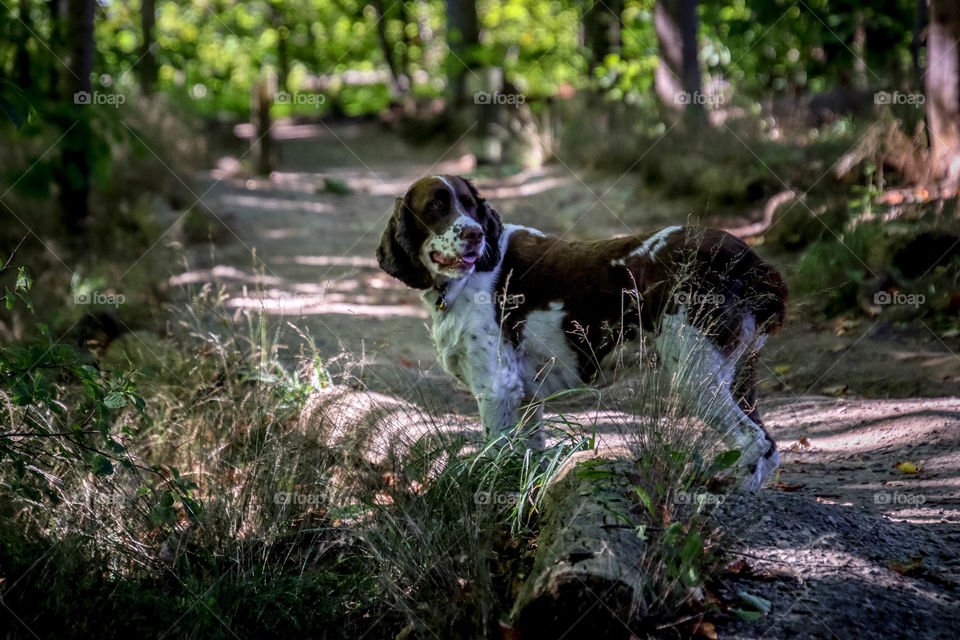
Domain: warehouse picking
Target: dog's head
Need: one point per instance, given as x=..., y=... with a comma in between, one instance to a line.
x=440, y=230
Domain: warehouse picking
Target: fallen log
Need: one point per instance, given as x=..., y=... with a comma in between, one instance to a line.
x=587, y=579
x=380, y=432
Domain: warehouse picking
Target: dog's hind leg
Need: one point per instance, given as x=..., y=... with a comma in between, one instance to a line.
x=703, y=377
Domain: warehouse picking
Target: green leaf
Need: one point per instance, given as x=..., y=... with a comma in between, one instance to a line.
x=115, y=400
x=749, y=615
x=645, y=499
x=756, y=602
x=725, y=460
x=102, y=466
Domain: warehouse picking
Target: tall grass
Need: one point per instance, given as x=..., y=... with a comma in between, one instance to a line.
x=251, y=507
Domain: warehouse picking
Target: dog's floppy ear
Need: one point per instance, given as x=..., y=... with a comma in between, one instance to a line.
x=492, y=230
x=398, y=255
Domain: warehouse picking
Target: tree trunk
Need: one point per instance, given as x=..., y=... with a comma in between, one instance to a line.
x=918, y=41
x=677, y=78
x=396, y=83
x=602, y=29
x=74, y=178
x=283, y=51
x=55, y=37
x=463, y=36
x=148, y=63
x=22, y=57
x=261, y=97
x=587, y=578
x=859, y=47
x=943, y=90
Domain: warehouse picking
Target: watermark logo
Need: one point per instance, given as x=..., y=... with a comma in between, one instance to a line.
x=707, y=99
x=314, y=100
x=896, y=97
x=897, y=498
x=503, y=299
x=500, y=499
x=694, y=298
x=884, y=298
x=99, y=98
x=496, y=97
x=292, y=497
x=99, y=297
x=700, y=497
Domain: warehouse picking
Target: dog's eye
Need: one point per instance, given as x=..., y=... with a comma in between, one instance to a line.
x=435, y=205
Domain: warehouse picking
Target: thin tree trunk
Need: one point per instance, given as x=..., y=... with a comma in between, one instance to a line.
x=859, y=50
x=387, y=50
x=261, y=97
x=943, y=90
x=22, y=56
x=677, y=78
x=283, y=51
x=55, y=37
x=148, y=63
x=463, y=35
x=74, y=180
x=918, y=42
x=602, y=29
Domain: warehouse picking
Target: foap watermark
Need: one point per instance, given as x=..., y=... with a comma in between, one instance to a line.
x=293, y=497
x=99, y=98
x=697, y=97
x=695, y=298
x=496, y=97
x=502, y=299
x=699, y=497
x=884, y=298
x=899, y=499
x=896, y=97
x=314, y=100
x=99, y=297
x=500, y=499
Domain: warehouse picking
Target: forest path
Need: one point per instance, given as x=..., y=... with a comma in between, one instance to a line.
x=827, y=389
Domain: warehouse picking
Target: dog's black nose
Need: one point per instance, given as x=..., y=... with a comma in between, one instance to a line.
x=472, y=234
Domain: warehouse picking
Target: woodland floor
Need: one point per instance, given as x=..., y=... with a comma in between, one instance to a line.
x=842, y=548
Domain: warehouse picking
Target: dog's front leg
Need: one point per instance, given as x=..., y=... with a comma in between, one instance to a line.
x=494, y=379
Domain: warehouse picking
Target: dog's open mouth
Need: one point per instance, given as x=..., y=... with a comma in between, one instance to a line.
x=463, y=261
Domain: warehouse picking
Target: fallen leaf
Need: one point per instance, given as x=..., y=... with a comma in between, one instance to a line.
x=802, y=444
x=704, y=629
x=737, y=566
x=836, y=390
x=508, y=633
x=781, y=369
x=783, y=486
x=405, y=363
x=907, y=467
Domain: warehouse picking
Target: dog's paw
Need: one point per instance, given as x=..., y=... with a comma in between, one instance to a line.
x=763, y=470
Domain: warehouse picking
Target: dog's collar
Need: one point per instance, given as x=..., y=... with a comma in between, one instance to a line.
x=447, y=292
x=442, y=297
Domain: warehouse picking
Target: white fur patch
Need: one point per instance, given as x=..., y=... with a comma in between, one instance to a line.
x=703, y=377
x=654, y=243
x=548, y=364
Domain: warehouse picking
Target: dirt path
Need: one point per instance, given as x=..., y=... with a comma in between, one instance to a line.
x=822, y=548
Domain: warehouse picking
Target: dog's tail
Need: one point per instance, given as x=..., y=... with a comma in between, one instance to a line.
x=732, y=268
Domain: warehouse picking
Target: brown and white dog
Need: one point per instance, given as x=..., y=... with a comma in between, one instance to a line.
x=519, y=315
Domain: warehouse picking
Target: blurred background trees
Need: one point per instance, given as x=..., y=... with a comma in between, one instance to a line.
x=489, y=70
